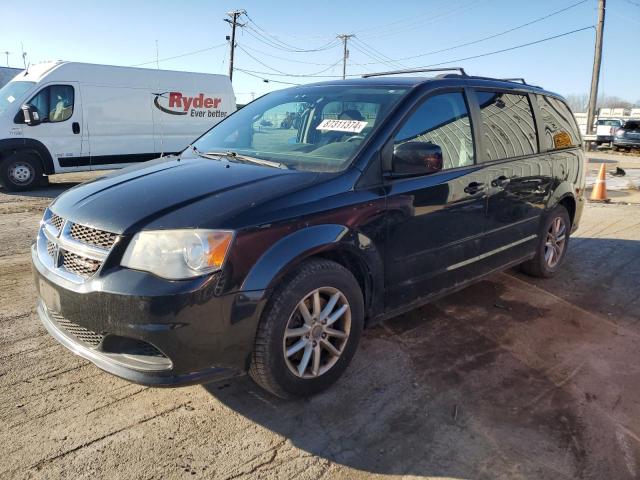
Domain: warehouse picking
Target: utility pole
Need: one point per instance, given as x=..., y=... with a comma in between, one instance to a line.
x=6, y=52
x=595, y=75
x=234, y=14
x=345, y=52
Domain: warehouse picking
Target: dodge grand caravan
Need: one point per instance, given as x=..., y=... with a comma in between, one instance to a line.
x=275, y=238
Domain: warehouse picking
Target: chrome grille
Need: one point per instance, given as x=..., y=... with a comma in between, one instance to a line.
x=93, y=236
x=56, y=221
x=84, y=335
x=81, y=266
x=75, y=252
x=51, y=249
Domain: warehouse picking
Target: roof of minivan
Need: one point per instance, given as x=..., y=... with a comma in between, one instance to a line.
x=440, y=81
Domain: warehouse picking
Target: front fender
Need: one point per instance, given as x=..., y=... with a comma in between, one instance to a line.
x=328, y=238
x=563, y=190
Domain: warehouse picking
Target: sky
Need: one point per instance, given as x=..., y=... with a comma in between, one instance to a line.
x=284, y=40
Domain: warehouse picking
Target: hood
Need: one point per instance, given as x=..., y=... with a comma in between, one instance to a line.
x=176, y=193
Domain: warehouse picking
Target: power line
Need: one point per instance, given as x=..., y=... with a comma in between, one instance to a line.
x=255, y=50
x=546, y=39
x=266, y=80
x=483, y=39
x=371, y=52
x=277, y=43
x=194, y=52
x=457, y=60
x=421, y=23
x=412, y=19
x=288, y=74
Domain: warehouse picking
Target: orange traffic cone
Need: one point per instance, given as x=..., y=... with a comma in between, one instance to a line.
x=599, y=192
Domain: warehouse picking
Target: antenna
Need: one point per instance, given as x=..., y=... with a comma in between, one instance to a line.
x=24, y=56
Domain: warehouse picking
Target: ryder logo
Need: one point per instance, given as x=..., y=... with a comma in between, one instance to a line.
x=175, y=103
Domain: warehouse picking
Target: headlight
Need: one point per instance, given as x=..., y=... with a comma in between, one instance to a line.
x=178, y=254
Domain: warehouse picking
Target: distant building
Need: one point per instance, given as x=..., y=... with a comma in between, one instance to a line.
x=7, y=74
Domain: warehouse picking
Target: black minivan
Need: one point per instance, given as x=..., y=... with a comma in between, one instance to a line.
x=271, y=242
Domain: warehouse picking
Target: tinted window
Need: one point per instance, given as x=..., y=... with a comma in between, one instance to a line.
x=444, y=121
x=508, y=128
x=560, y=128
x=632, y=125
x=54, y=103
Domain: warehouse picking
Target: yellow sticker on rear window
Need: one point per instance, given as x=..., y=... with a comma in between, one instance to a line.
x=561, y=140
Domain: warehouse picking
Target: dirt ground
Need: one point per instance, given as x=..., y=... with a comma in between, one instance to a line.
x=511, y=378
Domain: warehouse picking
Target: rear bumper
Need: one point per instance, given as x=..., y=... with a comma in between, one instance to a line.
x=627, y=142
x=195, y=335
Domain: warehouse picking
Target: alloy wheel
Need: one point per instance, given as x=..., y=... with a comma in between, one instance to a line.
x=556, y=240
x=317, y=332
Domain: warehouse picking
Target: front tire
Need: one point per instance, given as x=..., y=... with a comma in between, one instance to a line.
x=553, y=242
x=309, y=331
x=21, y=171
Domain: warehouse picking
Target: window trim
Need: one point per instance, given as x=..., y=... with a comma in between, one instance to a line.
x=482, y=158
x=387, y=149
x=48, y=88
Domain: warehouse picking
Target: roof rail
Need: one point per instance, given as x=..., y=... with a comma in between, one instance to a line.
x=521, y=80
x=415, y=70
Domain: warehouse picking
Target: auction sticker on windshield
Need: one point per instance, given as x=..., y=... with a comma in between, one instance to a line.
x=353, y=126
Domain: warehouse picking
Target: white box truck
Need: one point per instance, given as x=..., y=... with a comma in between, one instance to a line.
x=69, y=117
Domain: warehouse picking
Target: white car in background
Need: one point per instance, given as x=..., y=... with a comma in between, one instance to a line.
x=69, y=117
x=606, y=129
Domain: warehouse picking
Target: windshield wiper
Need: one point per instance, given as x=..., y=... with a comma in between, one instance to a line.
x=234, y=156
x=205, y=155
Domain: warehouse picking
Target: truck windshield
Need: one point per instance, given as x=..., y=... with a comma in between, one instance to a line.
x=317, y=128
x=11, y=93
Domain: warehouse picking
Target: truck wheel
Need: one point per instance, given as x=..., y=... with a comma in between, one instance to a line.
x=553, y=242
x=20, y=171
x=309, y=331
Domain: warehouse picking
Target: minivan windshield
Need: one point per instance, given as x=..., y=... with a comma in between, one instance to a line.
x=11, y=93
x=317, y=128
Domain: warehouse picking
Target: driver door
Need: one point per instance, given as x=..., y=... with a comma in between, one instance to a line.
x=435, y=222
x=60, y=130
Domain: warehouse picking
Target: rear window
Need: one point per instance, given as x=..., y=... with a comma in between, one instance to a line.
x=508, y=128
x=560, y=128
x=632, y=125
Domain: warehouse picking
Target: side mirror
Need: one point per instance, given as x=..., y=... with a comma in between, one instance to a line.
x=417, y=158
x=31, y=115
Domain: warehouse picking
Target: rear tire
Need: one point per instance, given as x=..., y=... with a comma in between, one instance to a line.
x=300, y=348
x=553, y=242
x=21, y=171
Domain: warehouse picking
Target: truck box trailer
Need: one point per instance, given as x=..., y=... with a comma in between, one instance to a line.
x=68, y=117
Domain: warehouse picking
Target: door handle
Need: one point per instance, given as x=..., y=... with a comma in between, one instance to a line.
x=75, y=126
x=501, y=181
x=474, y=187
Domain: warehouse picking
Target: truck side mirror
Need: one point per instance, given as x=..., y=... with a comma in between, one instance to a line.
x=31, y=115
x=417, y=158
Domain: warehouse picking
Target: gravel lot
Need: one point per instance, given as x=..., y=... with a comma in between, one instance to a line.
x=511, y=378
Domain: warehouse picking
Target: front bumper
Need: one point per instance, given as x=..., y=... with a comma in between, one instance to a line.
x=195, y=336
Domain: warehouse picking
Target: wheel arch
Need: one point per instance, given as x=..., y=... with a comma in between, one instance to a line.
x=351, y=249
x=10, y=146
x=564, y=195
